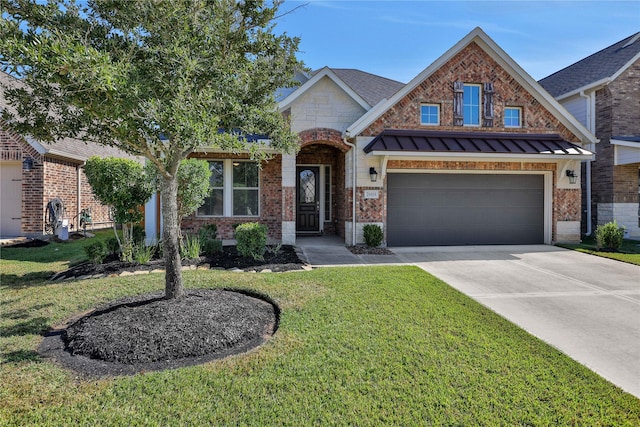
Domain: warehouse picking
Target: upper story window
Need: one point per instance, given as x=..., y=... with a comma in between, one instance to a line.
x=512, y=117
x=471, y=105
x=430, y=114
x=234, y=189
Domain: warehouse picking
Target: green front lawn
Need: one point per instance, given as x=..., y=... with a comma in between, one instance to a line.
x=629, y=252
x=356, y=346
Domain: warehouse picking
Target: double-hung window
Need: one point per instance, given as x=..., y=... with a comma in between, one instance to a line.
x=471, y=105
x=234, y=189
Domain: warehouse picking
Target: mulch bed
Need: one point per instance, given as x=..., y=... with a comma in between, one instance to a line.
x=149, y=333
x=367, y=250
x=284, y=259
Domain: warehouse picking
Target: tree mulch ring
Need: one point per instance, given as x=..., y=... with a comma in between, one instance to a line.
x=149, y=333
x=31, y=243
x=276, y=259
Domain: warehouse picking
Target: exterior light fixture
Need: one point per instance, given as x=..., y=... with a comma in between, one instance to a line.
x=27, y=164
x=573, y=178
x=373, y=174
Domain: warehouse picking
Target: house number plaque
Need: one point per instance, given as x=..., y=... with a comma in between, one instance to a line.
x=371, y=194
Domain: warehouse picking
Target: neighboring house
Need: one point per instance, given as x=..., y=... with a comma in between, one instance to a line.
x=603, y=92
x=55, y=173
x=471, y=151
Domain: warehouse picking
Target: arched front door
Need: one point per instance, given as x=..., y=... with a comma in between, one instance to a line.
x=308, y=199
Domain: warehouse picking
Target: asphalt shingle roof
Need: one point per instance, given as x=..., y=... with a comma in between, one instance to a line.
x=370, y=87
x=593, y=68
x=67, y=147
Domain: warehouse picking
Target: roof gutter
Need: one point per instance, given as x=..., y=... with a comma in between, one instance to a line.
x=353, y=188
x=590, y=87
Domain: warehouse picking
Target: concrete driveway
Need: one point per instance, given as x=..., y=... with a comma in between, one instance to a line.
x=586, y=306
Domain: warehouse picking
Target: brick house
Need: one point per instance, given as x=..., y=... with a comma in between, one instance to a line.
x=55, y=172
x=603, y=92
x=471, y=151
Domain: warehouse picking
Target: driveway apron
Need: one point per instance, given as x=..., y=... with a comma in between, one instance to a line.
x=586, y=306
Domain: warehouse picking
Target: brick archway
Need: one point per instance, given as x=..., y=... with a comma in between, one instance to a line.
x=323, y=136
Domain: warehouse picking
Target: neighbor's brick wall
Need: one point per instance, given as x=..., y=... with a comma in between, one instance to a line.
x=271, y=193
x=61, y=181
x=617, y=114
x=471, y=65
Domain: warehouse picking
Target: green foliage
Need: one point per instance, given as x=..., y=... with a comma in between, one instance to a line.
x=252, y=239
x=208, y=239
x=137, y=233
x=208, y=231
x=142, y=253
x=193, y=184
x=120, y=184
x=190, y=248
x=155, y=79
x=96, y=252
x=609, y=236
x=113, y=247
x=373, y=235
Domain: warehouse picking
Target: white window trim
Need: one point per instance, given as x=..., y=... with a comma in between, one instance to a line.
x=504, y=118
x=227, y=190
x=479, y=86
x=429, y=104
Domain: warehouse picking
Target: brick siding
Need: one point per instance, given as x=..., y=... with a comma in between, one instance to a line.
x=471, y=65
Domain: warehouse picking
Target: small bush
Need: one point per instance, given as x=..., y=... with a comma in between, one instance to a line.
x=252, y=240
x=211, y=247
x=112, y=246
x=137, y=233
x=96, y=252
x=609, y=236
x=142, y=253
x=190, y=247
x=208, y=231
x=373, y=235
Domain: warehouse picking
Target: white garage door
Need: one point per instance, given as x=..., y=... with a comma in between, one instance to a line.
x=464, y=209
x=11, y=199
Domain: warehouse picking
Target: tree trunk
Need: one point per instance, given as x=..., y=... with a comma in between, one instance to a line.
x=174, y=287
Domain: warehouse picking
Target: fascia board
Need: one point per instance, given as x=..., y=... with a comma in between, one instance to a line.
x=629, y=144
x=401, y=155
x=587, y=88
x=36, y=145
x=325, y=72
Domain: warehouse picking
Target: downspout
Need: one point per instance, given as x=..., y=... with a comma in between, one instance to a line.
x=353, y=189
x=591, y=127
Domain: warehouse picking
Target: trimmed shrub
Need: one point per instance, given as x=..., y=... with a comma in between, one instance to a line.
x=96, y=252
x=609, y=236
x=252, y=240
x=373, y=235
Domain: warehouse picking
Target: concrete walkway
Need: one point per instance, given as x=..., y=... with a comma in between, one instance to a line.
x=586, y=306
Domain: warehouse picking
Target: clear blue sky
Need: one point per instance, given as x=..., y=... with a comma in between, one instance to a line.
x=398, y=39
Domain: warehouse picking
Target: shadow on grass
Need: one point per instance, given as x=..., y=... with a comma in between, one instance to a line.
x=33, y=326
x=14, y=281
x=20, y=356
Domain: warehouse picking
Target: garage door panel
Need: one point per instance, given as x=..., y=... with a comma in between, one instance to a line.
x=459, y=209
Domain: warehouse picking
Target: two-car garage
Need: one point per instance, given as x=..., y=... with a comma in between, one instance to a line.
x=465, y=209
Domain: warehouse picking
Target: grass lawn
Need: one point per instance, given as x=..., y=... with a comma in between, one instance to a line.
x=356, y=346
x=629, y=252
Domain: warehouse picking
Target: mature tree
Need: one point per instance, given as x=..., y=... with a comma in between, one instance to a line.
x=154, y=78
x=122, y=185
